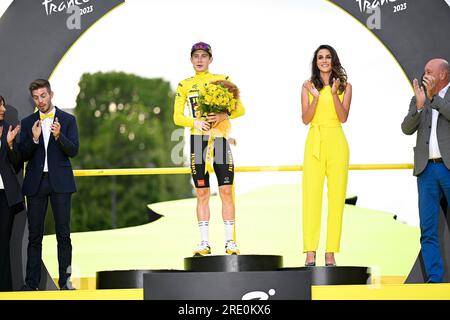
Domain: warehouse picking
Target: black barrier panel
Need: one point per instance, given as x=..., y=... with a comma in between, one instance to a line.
x=233, y=263
x=260, y=285
x=34, y=36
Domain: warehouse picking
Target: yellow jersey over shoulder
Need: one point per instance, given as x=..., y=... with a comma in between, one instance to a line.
x=187, y=94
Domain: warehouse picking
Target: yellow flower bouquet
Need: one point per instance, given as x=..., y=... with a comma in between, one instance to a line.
x=218, y=97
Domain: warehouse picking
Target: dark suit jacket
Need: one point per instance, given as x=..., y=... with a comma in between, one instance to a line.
x=10, y=165
x=58, y=154
x=421, y=122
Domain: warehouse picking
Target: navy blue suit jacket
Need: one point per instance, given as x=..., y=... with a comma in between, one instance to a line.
x=58, y=154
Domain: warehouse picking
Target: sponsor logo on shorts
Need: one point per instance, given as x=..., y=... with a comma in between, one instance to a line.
x=201, y=183
x=230, y=161
x=193, y=164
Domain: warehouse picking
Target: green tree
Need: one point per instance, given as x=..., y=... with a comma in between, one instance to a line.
x=124, y=121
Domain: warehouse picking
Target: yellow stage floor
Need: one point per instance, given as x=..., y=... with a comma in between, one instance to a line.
x=347, y=292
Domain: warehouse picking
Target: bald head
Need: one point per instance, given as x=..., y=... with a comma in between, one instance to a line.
x=445, y=66
x=438, y=68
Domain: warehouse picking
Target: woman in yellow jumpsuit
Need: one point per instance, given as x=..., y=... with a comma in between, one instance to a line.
x=326, y=99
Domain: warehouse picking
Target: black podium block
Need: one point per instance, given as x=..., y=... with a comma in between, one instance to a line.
x=345, y=275
x=124, y=279
x=233, y=263
x=245, y=285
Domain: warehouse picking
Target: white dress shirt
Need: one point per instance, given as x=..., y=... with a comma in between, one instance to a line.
x=434, y=146
x=46, y=131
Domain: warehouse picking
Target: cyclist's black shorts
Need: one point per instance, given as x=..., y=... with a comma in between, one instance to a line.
x=223, y=161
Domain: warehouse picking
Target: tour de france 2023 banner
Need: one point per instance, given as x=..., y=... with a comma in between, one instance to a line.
x=414, y=31
x=35, y=35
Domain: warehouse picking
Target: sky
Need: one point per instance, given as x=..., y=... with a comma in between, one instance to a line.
x=266, y=48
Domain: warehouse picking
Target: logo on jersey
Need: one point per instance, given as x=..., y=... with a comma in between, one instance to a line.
x=193, y=102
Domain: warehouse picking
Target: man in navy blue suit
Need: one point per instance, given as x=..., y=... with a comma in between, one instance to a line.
x=49, y=137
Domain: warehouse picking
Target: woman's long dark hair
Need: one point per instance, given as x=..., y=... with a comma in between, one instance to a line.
x=2, y=101
x=337, y=71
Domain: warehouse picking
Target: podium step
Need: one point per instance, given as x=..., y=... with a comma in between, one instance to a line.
x=243, y=285
x=238, y=271
x=233, y=263
x=345, y=275
x=124, y=279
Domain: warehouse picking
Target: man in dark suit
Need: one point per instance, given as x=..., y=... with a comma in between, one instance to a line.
x=429, y=115
x=48, y=139
x=11, y=199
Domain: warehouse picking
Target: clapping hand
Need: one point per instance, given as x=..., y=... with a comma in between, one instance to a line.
x=311, y=88
x=12, y=133
x=429, y=82
x=335, y=86
x=56, y=128
x=419, y=92
x=36, y=130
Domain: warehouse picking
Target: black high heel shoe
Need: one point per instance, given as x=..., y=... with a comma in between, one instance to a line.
x=311, y=264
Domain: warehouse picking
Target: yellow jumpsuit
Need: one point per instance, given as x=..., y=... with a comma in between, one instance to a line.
x=326, y=154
